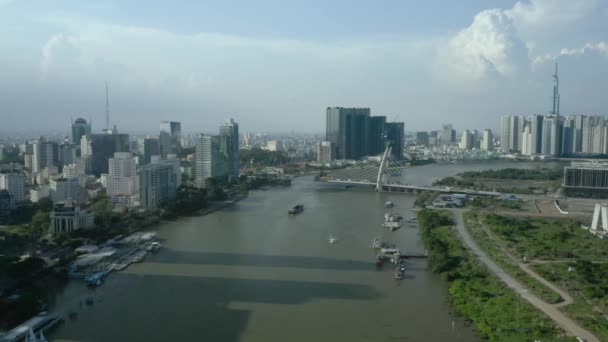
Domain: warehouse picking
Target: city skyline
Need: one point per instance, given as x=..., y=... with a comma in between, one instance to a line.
x=410, y=63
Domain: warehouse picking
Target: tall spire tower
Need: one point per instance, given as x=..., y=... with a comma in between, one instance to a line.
x=555, y=92
x=107, y=108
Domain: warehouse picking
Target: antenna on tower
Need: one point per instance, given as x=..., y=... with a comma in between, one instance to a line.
x=107, y=108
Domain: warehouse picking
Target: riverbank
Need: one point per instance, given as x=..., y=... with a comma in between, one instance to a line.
x=497, y=313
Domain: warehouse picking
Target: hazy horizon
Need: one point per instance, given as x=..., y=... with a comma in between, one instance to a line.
x=275, y=66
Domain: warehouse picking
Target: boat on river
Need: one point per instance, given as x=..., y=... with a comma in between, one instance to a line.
x=298, y=208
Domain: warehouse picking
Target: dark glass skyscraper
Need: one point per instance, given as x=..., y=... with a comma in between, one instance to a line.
x=80, y=127
x=151, y=148
x=170, y=137
x=347, y=129
x=395, y=136
x=230, y=148
x=103, y=147
x=376, y=139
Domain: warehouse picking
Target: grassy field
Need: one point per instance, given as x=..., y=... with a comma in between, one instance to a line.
x=588, y=284
x=494, y=251
x=496, y=311
x=546, y=239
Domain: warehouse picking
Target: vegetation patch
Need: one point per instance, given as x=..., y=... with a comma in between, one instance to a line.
x=497, y=312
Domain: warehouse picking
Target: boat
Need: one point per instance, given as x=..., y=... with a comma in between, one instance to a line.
x=388, y=204
x=392, y=225
x=298, y=208
x=140, y=256
x=153, y=246
x=95, y=279
x=388, y=217
x=332, y=239
x=402, y=267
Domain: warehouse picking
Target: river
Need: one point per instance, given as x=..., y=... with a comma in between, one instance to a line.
x=251, y=273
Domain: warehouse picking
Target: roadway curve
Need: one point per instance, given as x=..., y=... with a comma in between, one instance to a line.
x=571, y=327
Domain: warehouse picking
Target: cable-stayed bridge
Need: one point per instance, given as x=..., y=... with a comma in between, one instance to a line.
x=387, y=175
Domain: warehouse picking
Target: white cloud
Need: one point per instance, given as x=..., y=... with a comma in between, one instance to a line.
x=490, y=45
x=550, y=14
x=47, y=50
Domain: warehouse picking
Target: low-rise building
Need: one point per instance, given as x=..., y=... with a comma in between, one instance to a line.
x=586, y=179
x=66, y=218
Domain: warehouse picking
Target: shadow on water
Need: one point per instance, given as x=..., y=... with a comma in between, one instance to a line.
x=235, y=259
x=172, y=308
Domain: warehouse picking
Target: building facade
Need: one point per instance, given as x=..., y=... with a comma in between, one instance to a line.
x=586, y=179
x=14, y=183
x=395, y=136
x=487, y=141
x=46, y=153
x=170, y=137
x=210, y=160
x=122, y=184
x=157, y=185
x=347, y=130
x=101, y=147
x=230, y=147
x=324, y=152
x=422, y=138
x=80, y=128
x=67, y=218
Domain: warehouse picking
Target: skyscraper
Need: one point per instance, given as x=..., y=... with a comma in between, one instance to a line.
x=448, y=135
x=347, y=130
x=324, y=152
x=80, y=127
x=46, y=153
x=102, y=148
x=122, y=181
x=466, y=140
x=151, y=147
x=527, y=145
x=487, y=142
x=511, y=129
x=67, y=153
x=550, y=138
x=567, y=136
x=577, y=134
x=14, y=183
x=230, y=148
x=422, y=138
x=209, y=159
x=170, y=137
x=157, y=185
x=536, y=130
x=395, y=137
x=376, y=135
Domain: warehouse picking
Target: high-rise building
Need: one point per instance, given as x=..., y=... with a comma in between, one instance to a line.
x=347, y=130
x=67, y=189
x=377, y=135
x=487, y=142
x=395, y=136
x=151, y=147
x=102, y=148
x=170, y=137
x=527, y=145
x=324, y=152
x=230, y=148
x=14, y=183
x=567, y=136
x=122, y=182
x=536, y=130
x=587, y=134
x=448, y=135
x=209, y=159
x=433, y=138
x=46, y=153
x=577, y=134
x=466, y=140
x=598, y=139
x=157, y=185
x=550, y=138
x=511, y=129
x=80, y=128
x=67, y=153
x=422, y=138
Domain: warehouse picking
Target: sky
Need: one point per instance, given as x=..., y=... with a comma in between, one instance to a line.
x=276, y=65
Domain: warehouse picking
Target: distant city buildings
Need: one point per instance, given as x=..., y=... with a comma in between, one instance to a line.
x=355, y=134
x=230, y=147
x=422, y=138
x=151, y=147
x=274, y=145
x=448, y=135
x=101, y=147
x=466, y=141
x=170, y=137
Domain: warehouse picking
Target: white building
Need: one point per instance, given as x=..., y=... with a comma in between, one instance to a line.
x=122, y=183
x=487, y=141
x=75, y=171
x=527, y=144
x=66, y=189
x=210, y=162
x=39, y=193
x=324, y=152
x=67, y=218
x=14, y=183
x=274, y=145
x=466, y=141
x=157, y=185
x=46, y=153
x=550, y=138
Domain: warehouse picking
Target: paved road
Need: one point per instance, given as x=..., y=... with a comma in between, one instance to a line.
x=571, y=327
x=567, y=299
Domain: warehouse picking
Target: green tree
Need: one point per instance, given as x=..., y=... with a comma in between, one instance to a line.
x=103, y=213
x=40, y=222
x=45, y=204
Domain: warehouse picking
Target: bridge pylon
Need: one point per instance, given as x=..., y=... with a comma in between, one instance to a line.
x=382, y=170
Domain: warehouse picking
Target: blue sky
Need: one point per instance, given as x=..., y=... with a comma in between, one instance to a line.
x=275, y=65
